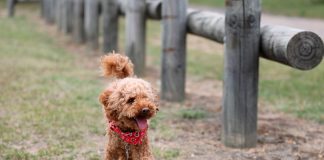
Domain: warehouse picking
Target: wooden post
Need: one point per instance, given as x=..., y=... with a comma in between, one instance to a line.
x=297, y=48
x=174, y=49
x=135, y=34
x=110, y=25
x=59, y=14
x=42, y=8
x=11, y=7
x=92, y=23
x=64, y=12
x=45, y=2
x=294, y=47
x=78, y=22
x=69, y=16
x=66, y=16
x=153, y=8
x=240, y=93
x=48, y=9
x=52, y=11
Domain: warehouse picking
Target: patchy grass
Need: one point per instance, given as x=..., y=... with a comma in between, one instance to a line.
x=293, y=91
x=192, y=114
x=303, y=8
x=48, y=101
x=159, y=126
x=166, y=154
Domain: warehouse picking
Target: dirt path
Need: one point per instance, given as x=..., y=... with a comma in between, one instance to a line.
x=280, y=136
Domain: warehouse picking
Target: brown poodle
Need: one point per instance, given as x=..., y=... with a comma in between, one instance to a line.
x=128, y=104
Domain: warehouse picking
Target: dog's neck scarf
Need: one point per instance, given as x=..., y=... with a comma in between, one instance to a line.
x=134, y=138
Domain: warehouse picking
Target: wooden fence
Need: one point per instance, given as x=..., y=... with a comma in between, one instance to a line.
x=240, y=30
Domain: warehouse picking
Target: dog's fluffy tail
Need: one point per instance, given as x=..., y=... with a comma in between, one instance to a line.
x=116, y=65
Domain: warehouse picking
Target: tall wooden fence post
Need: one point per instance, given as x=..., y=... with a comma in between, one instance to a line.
x=42, y=8
x=64, y=18
x=92, y=23
x=69, y=15
x=67, y=18
x=52, y=18
x=110, y=25
x=174, y=49
x=11, y=7
x=78, y=21
x=48, y=11
x=135, y=34
x=242, y=30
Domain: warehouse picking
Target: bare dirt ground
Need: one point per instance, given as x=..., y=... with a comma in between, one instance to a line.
x=280, y=136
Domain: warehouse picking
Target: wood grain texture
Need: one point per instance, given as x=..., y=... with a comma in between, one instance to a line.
x=293, y=47
x=78, y=21
x=297, y=48
x=135, y=34
x=173, y=50
x=110, y=25
x=206, y=24
x=241, y=65
x=290, y=46
x=92, y=23
x=153, y=8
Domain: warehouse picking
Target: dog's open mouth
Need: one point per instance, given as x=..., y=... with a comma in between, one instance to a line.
x=141, y=122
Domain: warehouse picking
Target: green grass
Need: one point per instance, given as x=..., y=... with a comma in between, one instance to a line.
x=48, y=101
x=210, y=3
x=294, y=91
x=192, y=114
x=304, y=8
x=166, y=154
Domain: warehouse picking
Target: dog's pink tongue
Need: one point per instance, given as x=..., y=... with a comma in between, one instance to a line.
x=141, y=123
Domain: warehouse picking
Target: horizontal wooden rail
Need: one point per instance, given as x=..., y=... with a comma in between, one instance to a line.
x=297, y=48
x=290, y=46
x=153, y=9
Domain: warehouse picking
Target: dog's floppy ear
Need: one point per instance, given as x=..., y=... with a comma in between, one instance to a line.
x=103, y=98
x=110, y=112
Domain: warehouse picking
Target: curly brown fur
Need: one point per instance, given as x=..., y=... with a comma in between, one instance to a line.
x=116, y=65
x=123, y=101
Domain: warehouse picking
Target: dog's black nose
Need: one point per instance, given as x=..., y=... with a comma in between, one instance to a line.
x=145, y=111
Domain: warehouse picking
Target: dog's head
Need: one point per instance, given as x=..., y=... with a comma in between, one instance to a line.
x=129, y=101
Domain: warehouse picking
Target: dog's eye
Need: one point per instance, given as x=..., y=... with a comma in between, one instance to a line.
x=131, y=100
